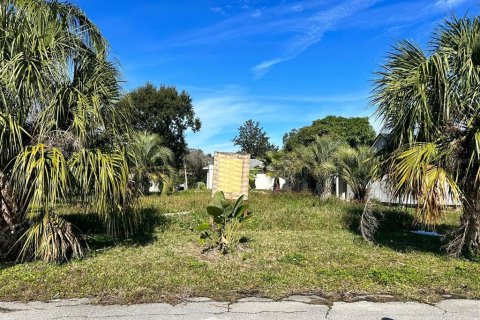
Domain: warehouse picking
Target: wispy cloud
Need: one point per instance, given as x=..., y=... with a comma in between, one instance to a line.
x=288, y=29
x=295, y=27
x=448, y=4
x=222, y=111
x=218, y=10
x=318, y=23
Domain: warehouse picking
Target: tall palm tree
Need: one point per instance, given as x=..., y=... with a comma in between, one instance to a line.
x=357, y=166
x=61, y=133
x=152, y=161
x=429, y=102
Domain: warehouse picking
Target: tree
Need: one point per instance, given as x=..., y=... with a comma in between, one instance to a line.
x=430, y=106
x=166, y=112
x=253, y=140
x=354, y=131
x=152, y=161
x=58, y=98
x=286, y=165
x=357, y=166
x=195, y=161
x=318, y=160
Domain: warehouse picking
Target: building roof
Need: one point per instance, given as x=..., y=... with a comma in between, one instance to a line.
x=255, y=163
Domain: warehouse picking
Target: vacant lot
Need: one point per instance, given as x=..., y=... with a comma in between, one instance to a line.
x=298, y=244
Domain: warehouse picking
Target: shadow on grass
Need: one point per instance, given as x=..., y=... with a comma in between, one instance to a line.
x=98, y=238
x=394, y=231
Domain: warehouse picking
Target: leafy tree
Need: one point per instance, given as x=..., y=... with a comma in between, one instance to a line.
x=152, y=161
x=357, y=166
x=429, y=103
x=58, y=99
x=253, y=140
x=166, y=112
x=355, y=131
x=195, y=161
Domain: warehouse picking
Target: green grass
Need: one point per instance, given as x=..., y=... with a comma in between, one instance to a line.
x=298, y=244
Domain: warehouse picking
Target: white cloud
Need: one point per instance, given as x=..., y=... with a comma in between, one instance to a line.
x=447, y=4
x=218, y=10
x=262, y=68
x=256, y=14
x=316, y=25
x=222, y=111
x=221, y=115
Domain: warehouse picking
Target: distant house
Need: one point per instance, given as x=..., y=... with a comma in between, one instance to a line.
x=380, y=141
x=154, y=187
x=264, y=181
x=209, y=181
x=379, y=189
x=341, y=189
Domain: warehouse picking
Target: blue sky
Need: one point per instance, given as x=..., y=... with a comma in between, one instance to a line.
x=283, y=63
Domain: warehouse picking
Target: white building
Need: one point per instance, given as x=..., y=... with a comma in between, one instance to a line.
x=379, y=189
x=266, y=182
x=209, y=176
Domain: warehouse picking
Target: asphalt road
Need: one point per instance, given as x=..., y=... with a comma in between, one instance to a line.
x=293, y=308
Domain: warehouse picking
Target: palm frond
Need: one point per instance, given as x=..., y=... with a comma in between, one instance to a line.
x=104, y=187
x=11, y=140
x=417, y=172
x=52, y=239
x=357, y=166
x=40, y=178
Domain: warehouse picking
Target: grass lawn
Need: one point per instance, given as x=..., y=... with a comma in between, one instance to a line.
x=299, y=244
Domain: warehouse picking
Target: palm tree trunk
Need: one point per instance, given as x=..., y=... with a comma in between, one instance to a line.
x=471, y=222
x=276, y=184
x=326, y=187
x=12, y=222
x=467, y=237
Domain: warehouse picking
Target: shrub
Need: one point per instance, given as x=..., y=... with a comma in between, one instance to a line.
x=225, y=219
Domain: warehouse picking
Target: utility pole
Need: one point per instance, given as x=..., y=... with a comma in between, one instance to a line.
x=185, y=186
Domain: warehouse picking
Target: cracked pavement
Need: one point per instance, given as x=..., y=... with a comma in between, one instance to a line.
x=295, y=307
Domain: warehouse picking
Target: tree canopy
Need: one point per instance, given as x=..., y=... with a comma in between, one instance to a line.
x=58, y=103
x=152, y=161
x=354, y=131
x=195, y=161
x=430, y=106
x=166, y=112
x=253, y=139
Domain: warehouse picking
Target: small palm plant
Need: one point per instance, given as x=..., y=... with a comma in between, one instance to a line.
x=151, y=161
x=357, y=166
x=283, y=164
x=318, y=161
x=225, y=220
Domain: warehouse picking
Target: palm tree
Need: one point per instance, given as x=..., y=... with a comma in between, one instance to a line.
x=283, y=164
x=429, y=102
x=61, y=133
x=357, y=166
x=152, y=161
x=318, y=160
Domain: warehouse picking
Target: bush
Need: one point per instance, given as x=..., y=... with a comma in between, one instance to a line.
x=225, y=219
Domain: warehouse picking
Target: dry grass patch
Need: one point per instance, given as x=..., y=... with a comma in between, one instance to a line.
x=298, y=244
